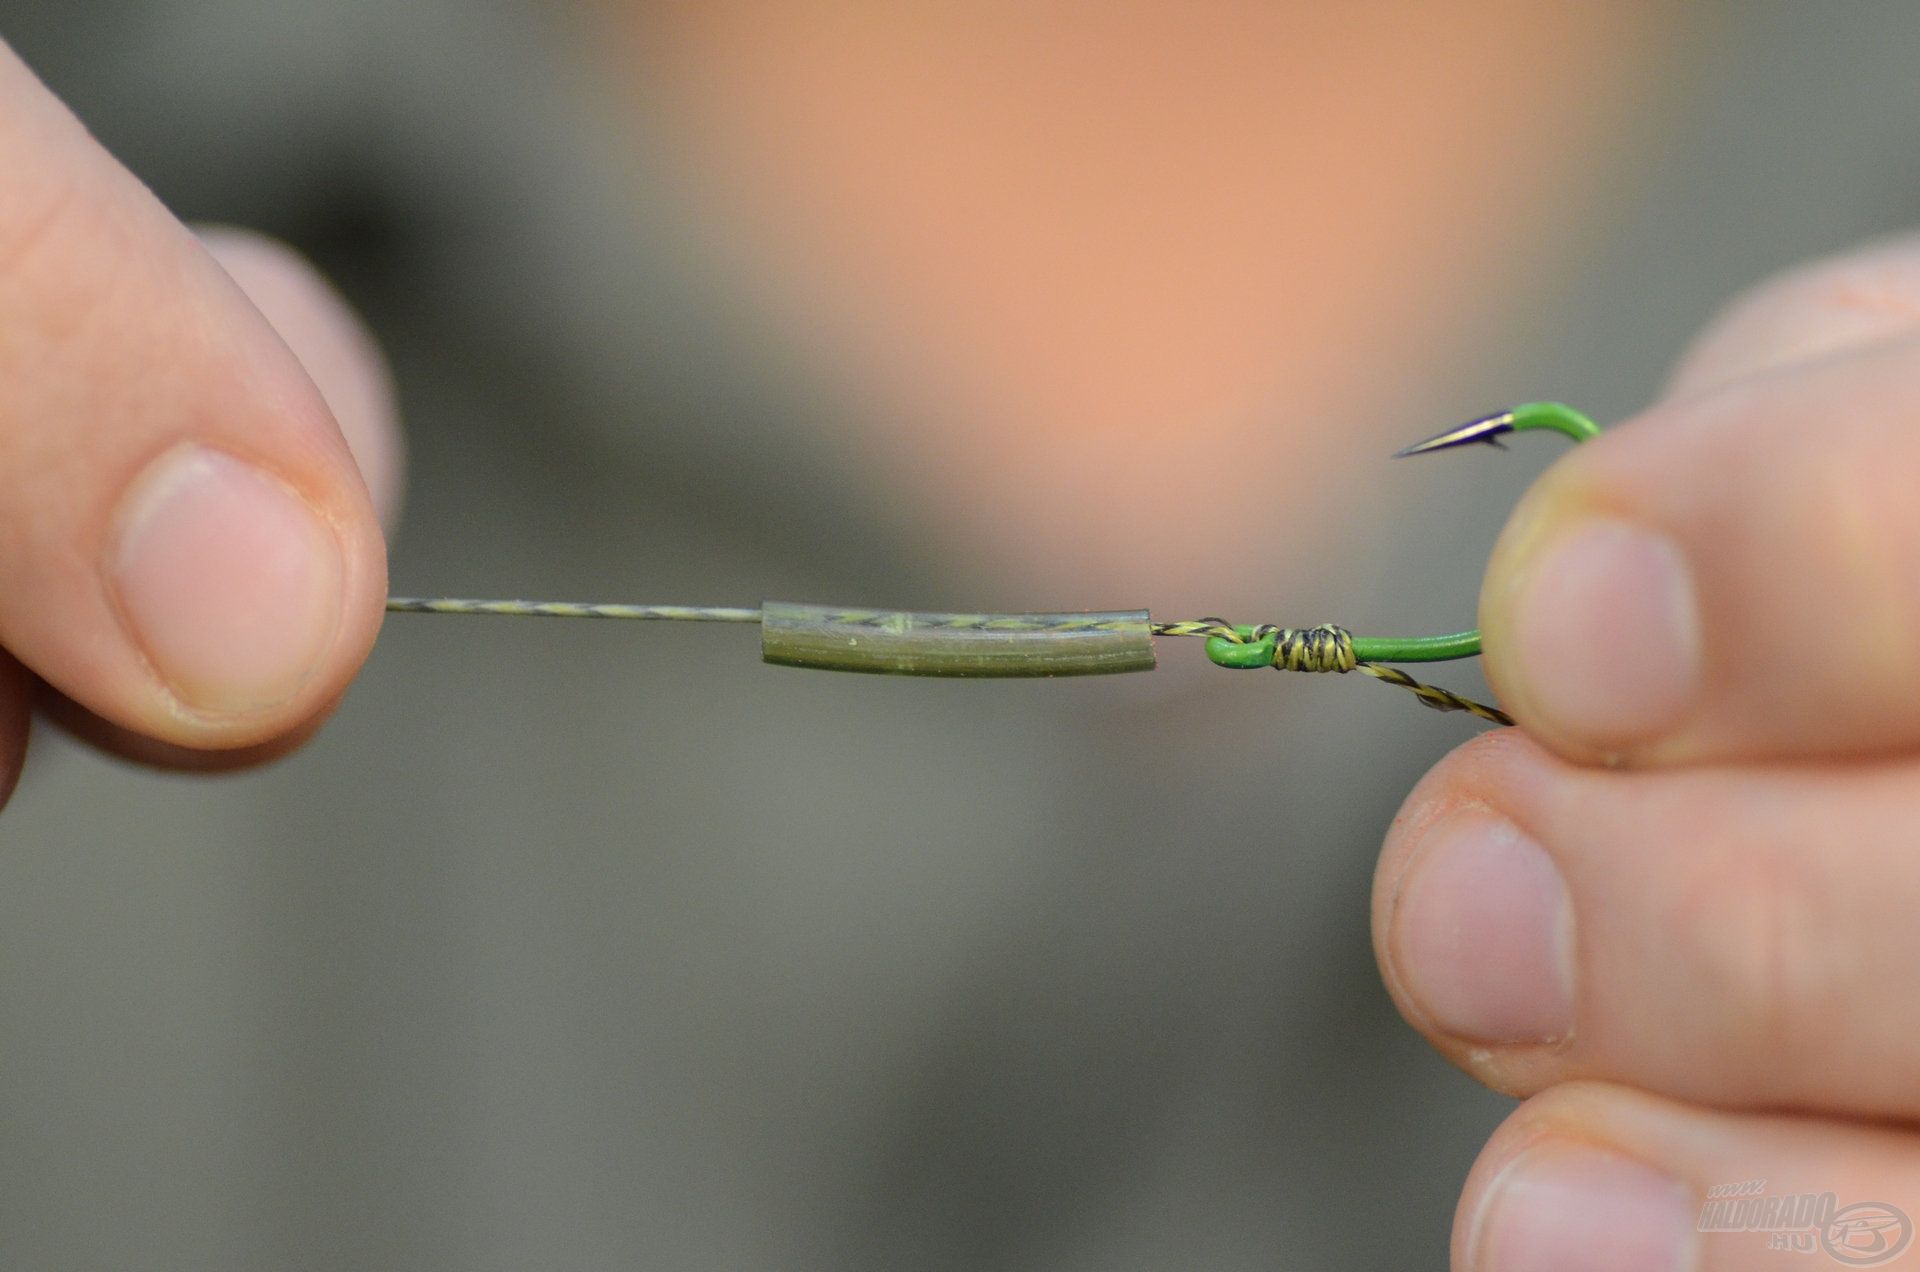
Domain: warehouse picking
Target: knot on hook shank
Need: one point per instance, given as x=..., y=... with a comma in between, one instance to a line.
x=1322, y=648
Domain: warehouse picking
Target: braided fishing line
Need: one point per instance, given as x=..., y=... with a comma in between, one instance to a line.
x=572, y=609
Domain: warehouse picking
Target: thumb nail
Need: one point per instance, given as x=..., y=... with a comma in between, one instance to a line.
x=229, y=581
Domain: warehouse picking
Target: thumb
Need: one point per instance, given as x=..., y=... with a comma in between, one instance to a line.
x=187, y=548
x=1731, y=576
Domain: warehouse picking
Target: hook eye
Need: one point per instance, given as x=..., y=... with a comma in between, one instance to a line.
x=1247, y=652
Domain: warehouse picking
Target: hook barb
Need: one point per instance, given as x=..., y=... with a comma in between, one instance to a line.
x=1487, y=429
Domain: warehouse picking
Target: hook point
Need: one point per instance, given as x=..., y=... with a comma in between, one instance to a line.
x=1487, y=429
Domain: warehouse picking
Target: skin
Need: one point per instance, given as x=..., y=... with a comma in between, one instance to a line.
x=1737, y=851
x=1075, y=264
x=126, y=340
x=1736, y=861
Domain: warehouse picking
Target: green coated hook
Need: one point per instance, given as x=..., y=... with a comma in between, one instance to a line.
x=1256, y=647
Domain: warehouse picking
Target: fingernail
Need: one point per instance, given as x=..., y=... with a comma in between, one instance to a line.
x=1482, y=933
x=229, y=580
x=1558, y=1208
x=1606, y=633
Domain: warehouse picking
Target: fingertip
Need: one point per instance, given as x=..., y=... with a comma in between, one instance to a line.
x=1596, y=1175
x=1593, y=633
x=276, y=590
x=1555, y=1189
x=1842, y=302
x=144, y=749
x=1728, y=576
x=1473, y=925
x=331, y=343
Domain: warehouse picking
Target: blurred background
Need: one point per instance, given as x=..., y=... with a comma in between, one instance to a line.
x=582, y=946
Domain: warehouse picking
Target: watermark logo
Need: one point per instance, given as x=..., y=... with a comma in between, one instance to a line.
x=1865, y=1234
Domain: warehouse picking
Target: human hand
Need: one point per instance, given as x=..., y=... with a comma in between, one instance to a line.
x=1677, y=907
x=191, y=562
